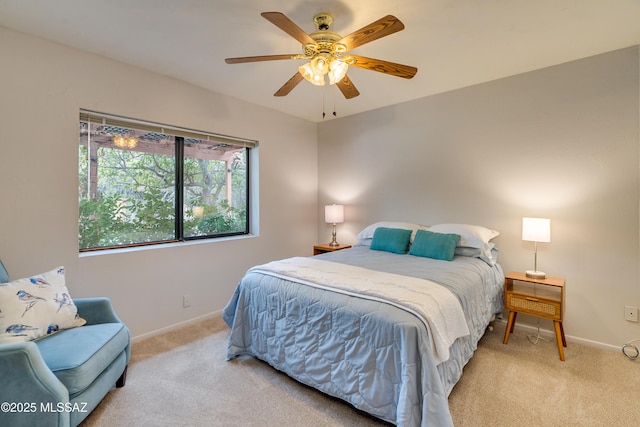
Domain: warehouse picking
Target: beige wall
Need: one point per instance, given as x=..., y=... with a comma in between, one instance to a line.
x=560, y=142
x=42, y=88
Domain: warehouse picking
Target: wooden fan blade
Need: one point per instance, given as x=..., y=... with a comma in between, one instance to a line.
x=289, y=85
x=288, y=26
x=347, y=88
x=386, y=67
x=380, y=28
x=243, y=59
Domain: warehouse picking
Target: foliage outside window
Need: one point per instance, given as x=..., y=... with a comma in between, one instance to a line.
x=141, y=183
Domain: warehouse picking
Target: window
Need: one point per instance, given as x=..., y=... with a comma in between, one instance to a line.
x=143, y=183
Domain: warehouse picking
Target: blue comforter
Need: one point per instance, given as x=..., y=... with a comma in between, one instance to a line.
x=371, y=354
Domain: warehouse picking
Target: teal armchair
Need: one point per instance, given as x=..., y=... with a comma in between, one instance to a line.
x=59, y=379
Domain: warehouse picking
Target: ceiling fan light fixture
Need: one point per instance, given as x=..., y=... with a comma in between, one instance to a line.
x=311, y=74
x=325, y=52
x=338, y=69
x=320, y=63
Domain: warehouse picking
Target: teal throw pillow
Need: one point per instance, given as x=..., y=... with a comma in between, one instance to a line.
x=394, y=240
x=434, y=245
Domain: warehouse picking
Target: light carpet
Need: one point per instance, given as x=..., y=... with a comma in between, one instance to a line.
x=181, y=378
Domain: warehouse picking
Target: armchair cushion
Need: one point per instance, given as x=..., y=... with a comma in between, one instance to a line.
x=36, y=306
x=76, y=355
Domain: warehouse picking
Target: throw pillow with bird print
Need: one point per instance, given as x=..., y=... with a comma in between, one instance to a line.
x=36, y=306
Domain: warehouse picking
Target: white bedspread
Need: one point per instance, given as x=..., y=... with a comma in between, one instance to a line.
x=433, y=304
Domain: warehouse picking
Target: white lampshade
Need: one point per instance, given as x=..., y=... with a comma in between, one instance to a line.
x=536, y=229
x=334, y=214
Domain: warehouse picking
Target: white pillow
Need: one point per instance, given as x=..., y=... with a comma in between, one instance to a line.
x=488, y=252
x=35, y=307
x=471, y=236
x=367, y=233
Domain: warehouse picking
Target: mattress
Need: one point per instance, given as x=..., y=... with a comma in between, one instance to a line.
x=375, y=354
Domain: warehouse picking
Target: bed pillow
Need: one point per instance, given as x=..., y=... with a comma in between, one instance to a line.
x=471, y=236
x=394, y=240
x=488, y=253
x=363, y=242
x=434, y=245
x=367, y=233
x=35, y=307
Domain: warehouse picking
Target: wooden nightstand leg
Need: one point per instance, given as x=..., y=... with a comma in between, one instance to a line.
x=560, y=338
x=510, y=324
x=513, y=324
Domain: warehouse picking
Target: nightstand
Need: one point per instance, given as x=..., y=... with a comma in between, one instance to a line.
x=537, y=297
x=320, y=249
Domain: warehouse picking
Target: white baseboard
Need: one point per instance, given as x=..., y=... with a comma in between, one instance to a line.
x=551, y=334
x=176, y=326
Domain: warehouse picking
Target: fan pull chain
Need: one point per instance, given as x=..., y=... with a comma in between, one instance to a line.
x=323, y=114
x=335, y=114
x=334, y=104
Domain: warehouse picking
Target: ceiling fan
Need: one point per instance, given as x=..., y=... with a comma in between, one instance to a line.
x=326, y=52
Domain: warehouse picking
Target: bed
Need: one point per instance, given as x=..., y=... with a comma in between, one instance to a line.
x=387, y=331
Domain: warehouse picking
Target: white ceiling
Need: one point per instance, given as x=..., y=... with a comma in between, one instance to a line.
x=454, y=43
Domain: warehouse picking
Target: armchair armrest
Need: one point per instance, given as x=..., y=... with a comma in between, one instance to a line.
x=99, y=310
x=96, y=310
x=26, y=380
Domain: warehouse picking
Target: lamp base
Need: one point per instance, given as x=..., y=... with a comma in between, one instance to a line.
x=533, y=274
x=334, y=243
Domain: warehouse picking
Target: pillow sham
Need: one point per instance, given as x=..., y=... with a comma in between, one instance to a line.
x=35, y=307
x=394, y=240
x=471, y=236
x=434, y=245
x=487, y=253
x=367, y=232
x=363, y=242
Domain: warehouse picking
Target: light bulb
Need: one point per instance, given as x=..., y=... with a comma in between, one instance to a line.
x=118, y=141
x=320, y=64
x=131, y=142
x=127, y=141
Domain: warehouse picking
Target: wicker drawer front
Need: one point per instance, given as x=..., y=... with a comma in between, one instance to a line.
x=544, y=308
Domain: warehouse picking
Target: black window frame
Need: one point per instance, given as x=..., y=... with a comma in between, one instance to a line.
x=179, y=135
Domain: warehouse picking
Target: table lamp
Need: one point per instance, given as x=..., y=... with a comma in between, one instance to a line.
x=536, y=230
x=334, y=214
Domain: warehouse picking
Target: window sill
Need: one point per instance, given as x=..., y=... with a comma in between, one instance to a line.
x=164, y=245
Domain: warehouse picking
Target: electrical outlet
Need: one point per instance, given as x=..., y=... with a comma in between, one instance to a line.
x=186, y=301
x=630, y=313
